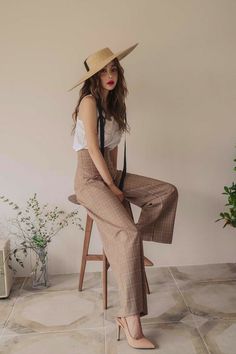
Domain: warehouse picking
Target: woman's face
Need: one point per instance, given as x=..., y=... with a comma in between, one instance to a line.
x=109, y=76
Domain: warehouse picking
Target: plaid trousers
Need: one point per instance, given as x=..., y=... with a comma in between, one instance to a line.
x=121, y=237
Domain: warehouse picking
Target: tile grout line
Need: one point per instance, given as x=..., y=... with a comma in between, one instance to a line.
x=104, y=329
x=53, y=332
x=176, y=283
x=7, y=320
x=105, y=339
x=202, y=338
x=13, y=306
x=43, y=291
x=1, y=334
x=195, y=323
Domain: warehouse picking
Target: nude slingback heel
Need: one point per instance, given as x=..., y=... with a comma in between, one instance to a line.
x=139, y=343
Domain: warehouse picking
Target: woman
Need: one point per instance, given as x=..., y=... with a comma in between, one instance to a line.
x=96, y=188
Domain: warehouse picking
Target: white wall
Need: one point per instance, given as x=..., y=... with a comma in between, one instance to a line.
x=181, y=108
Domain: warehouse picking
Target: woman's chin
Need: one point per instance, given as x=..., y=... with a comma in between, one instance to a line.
x=109, y=88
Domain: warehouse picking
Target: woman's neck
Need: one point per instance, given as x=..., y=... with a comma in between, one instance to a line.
x=104, y=103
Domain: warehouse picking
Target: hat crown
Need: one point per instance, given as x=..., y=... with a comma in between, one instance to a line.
x=96, y=61
x=96, y=58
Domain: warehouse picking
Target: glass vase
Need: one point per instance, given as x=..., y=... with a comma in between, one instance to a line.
x=40, y=271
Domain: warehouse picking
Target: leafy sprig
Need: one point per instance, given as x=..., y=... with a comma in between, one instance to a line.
x=230, y=215
x=35, y=226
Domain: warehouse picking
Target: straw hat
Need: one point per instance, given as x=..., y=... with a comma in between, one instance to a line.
x=99, y=59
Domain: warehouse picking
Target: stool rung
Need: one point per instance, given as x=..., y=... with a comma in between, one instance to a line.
x=94, y=257
x=148, y=262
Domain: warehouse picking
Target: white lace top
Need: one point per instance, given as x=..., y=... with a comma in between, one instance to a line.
x=111, y=139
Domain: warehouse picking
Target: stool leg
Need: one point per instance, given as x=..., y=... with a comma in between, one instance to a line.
x=88, y=229
x=104, y=280
x=146, y=283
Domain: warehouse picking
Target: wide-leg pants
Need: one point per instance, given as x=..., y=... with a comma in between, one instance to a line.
x=121, y=237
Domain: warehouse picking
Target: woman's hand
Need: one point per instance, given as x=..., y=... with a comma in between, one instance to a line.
x=117, y=192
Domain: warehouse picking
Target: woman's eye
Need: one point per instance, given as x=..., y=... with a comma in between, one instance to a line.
x=103, y=71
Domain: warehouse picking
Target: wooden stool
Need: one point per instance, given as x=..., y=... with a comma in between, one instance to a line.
x=100, y=257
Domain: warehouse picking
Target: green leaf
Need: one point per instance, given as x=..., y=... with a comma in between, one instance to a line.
x=226, y=189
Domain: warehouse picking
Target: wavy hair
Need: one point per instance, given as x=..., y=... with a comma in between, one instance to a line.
x=116, y=106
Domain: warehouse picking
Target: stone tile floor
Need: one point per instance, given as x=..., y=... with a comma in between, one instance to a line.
x=192, y=310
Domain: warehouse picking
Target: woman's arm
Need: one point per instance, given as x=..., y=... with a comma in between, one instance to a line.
x=88, y=114
x=114, y=153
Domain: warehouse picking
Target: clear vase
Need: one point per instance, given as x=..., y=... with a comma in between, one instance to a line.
x=40, y=272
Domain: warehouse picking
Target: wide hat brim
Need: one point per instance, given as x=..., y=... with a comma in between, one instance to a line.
x=119, y=55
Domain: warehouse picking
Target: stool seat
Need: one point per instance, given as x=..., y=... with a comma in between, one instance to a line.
x=100, y=257
x=72, y=198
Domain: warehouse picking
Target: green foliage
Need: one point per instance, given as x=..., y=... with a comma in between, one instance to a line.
x=36, y=225
x=230, y=215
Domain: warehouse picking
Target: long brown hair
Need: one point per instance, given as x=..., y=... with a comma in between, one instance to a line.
x=115, y=99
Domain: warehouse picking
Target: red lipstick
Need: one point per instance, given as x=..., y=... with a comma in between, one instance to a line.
x=111, y=82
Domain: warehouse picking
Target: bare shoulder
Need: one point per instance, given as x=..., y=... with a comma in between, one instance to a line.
x=88, y=102
x=88, y=111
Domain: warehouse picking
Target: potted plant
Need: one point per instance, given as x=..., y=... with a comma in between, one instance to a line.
x=230, y=215
x=35, y=226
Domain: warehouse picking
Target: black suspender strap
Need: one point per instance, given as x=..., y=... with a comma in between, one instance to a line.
x=102, y=121
x=124, y=168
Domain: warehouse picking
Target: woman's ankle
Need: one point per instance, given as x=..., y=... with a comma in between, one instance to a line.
x=134, y=325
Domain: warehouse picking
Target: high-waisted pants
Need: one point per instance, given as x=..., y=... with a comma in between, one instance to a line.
x=121, y=237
